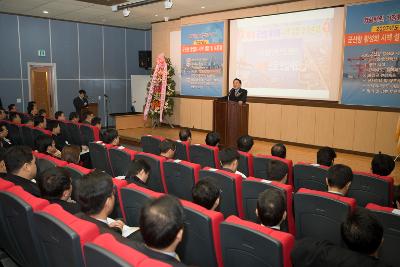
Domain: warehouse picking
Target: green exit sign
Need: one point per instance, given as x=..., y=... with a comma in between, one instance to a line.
x=41, y=53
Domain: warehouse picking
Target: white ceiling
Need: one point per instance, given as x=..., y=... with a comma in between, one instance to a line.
x=140, y=17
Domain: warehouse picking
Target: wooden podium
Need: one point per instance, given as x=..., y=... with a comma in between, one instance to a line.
x=230, y=121
x=93, y=107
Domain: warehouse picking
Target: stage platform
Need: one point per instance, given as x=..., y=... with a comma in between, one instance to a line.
x=294, y=152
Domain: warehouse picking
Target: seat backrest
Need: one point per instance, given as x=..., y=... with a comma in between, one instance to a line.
x=206, y=156
x=156, y=180
x=99, y=156
x=182, y=150
x=57, y=162
x=201, y=244
x=76, y=172
x=15, y=133
x=61, y=236
x=64, y=131
x=246, y=243
x=39, y=131
x=27, y=136
x=370, y=188
x=390, y=219
x=74, y=133
x=180, y=177
x=4, y=184
x=320, y=214
x=44, y=164
x=17, y=207
x=252, y=187
x=246, y=163
x=120, y=158
x=230, y=185
x=151, y=143
x=260, y=166
x=119, y=208
x=310, y=176
x=105, y=250
x=89, y=133
x=133, y=199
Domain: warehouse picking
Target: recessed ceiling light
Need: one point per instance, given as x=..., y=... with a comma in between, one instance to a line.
x=45, y=12
x=156, y=15
x=203, y=7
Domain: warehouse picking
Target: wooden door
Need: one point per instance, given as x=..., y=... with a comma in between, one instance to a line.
x=42, y=87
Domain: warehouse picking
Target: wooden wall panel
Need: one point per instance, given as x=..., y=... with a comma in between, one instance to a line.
x=207, y=115
x=306, y=125
x=343, y=131
x=195, y=113
x=289, y=123
x=175, y=118
x=365, y=130
x=324, y=123
x=273, y=116
x=185, y=113
x=257, y=120
x=385, y=132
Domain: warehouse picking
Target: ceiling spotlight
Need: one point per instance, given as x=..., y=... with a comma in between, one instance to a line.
x=203, y=7
x=156, y=15
x=168, y=4
x=126, y=12
x=45, y=12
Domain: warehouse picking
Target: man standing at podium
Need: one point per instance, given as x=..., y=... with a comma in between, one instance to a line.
x=81, y=101
x=237, y=94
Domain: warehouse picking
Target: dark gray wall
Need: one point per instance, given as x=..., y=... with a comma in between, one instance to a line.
x=98, y=59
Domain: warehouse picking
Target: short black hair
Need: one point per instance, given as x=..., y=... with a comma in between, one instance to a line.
x=185, y=134
x=38, y=120
x=237, y=79
x=11, y=106
x=58, y=114
x=95, y=121
x=382, y=164
x=41, y=112
x=245, y=143
x=228, y=155
x=52, y=124
x=93, y=190
x=166, y=145
x=205, y=193
x=42, y=142
x=73, y=115
x=3, y=152
x=271, y=206
x=362, y=232
x=279, y=150
x=276, y=170
x=109, y=135
x=16, y=157
x=53, y=182
x=213, y=138
x=13, y=115
x=136, y=166
x=339, y=175
x=160, y=221
x=82, y=92
x=326, y=156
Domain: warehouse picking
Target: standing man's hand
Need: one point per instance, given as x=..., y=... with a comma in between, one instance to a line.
x=240, y=102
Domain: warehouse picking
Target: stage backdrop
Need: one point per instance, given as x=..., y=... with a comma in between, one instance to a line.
x=371, y=70
x=202, y=59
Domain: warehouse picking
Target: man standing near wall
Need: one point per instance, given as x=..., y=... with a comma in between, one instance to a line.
x=80, y=101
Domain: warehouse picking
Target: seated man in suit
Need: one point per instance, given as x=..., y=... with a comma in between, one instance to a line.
x=185, y=135
x=167, y=149
x=138, y=172
x=245, y=143
x=96, y=122
x=73, y=117
x=382, y=164
x=87, y=117
x=3, y=170
x=277, y=171
x=229, y=158
x=326, y=156
x=161, y=226
x=271, y=208
x=60, y=141
x=212, y=139
x=4, y=140
x=279, y=150
x=80, y=101
x=339, y=179
x=12, y=108
x=96, y=197
x=40, y=122
x=55, y=186
x=60, y=116
x=206, y=194
x=21, y=168
x=111, y=136
x=46, y=145
x=237, y=94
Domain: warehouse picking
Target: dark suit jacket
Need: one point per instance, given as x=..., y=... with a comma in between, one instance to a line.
x=26, y=184
x=135, y=180
x=80, y=103
x=159, y=256
x=242, y=96
x=60, y=141
x=312, y=253
x=72, y=208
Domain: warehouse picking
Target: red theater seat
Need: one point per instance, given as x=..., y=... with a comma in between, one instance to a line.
x=89, y=133
x=206, y=156
x=99, y=156
x=182, y=150
x=120, y=158
x=246, y=163
x=310, y=176
x=156, y=180
x=260, y=166
x=151, y=144
x=119, y=204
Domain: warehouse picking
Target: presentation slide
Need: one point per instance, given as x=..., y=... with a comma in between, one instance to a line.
x=294, y=55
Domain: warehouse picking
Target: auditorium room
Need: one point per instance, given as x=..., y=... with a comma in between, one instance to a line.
x=199, y=133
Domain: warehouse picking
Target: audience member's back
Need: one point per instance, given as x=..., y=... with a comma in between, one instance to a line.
x=206, y=194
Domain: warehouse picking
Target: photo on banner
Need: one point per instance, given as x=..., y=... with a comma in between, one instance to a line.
x=202, y=59
x=371, y=68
